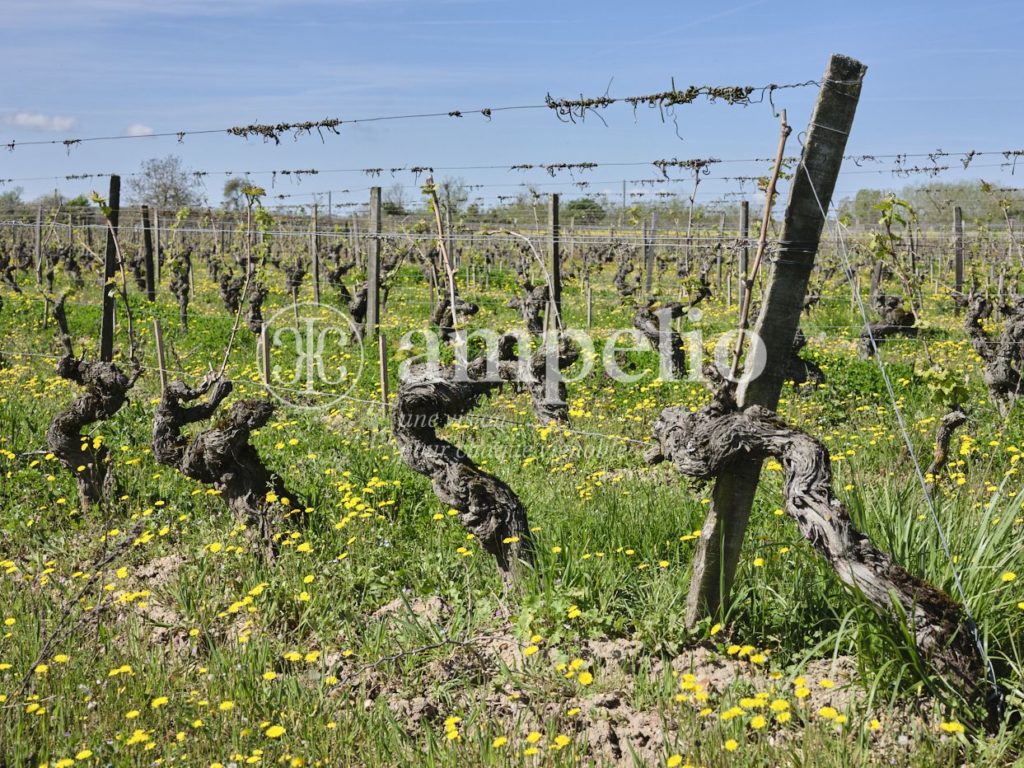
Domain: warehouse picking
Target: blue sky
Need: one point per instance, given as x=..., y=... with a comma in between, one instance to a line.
x=941, y=75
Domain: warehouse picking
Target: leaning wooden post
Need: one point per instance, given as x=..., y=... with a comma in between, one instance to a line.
x=554, y=265
x=382, y=358
x=373, y=265
x=315, y=253
x=814, y=180
x=264, y=346
x=156, y=243
x=648, y=238
x=147, y=241
x=161, y=364
x=958, y=233
x=109, y=273
x=39, y=245
x=744, y=254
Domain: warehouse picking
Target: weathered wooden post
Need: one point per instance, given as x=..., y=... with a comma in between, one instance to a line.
x=109, y=273
x=814, y=180
x=648, y=238
x=161, y=364
x=39, y=245
x=554, y=265
x=958, y=267
x=264, y=346
x=315, y=254
x=147, y=240
x=373, y=265
x=382, y=359
x=744, y=254
x=156, y=243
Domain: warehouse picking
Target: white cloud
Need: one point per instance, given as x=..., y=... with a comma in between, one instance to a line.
x=36, y=121
x=138, y=129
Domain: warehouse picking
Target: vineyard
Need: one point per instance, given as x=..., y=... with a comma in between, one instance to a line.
x=341, y=485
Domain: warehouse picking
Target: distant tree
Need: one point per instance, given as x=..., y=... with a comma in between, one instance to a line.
x=165, y=184
x=10, y=201
x=79, y=208
x=584, y=210
x=395, y=202
x=234, y=193
x=452, y=193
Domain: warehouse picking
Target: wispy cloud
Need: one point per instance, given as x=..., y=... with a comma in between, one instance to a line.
x=36, y=121
x=138, y=129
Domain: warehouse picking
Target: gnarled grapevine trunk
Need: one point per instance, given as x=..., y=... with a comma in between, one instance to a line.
x=427, y=401
x=700, y=444
x=948, y=424
x=803, y=371
x=223, y=456
x=656, y=326
x=896, y=321
x=106, y=390
x=1003, y=358
x=442, y=315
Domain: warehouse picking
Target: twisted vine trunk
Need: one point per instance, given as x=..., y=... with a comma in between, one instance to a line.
x=948, y=424
x=656, y=326
x=531, y=306
x=431, y=397
x=106, y=390
x=223, y=456
x=702, y=443
x=803, y=371
x=443, y=318
x=1003, y=358
x=896, y=321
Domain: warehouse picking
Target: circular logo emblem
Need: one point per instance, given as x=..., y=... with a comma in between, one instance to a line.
x=313, y=356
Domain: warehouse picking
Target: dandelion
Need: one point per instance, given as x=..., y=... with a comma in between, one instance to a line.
x=499, y=742
x=585, y=678
x=674, y=761
x=731, y=745
x=758, y=722
x=952, y=727
x=158, y=702
x=533, y=737
x=530, y=650
x=270, y=675
x=1008, y=576
x=226, y=705
x=274, y=732
x=85, y=754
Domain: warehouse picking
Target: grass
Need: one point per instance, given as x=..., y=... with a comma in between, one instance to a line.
x=188, y=650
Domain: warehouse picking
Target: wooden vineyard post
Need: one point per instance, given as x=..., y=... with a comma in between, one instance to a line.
x=109, y=273
x=382, y=358
x=39, y=245
x=744, y=254
x=315, y=254
x=648, y=238
x=554, y=265
x=813, y=182
x=147, y=240
x=265, y=355
x=958, y=267
x=158, y=339
x=156, y=243
x=373, y=265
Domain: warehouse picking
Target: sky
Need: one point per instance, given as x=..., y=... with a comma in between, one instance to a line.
x=941, y=75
